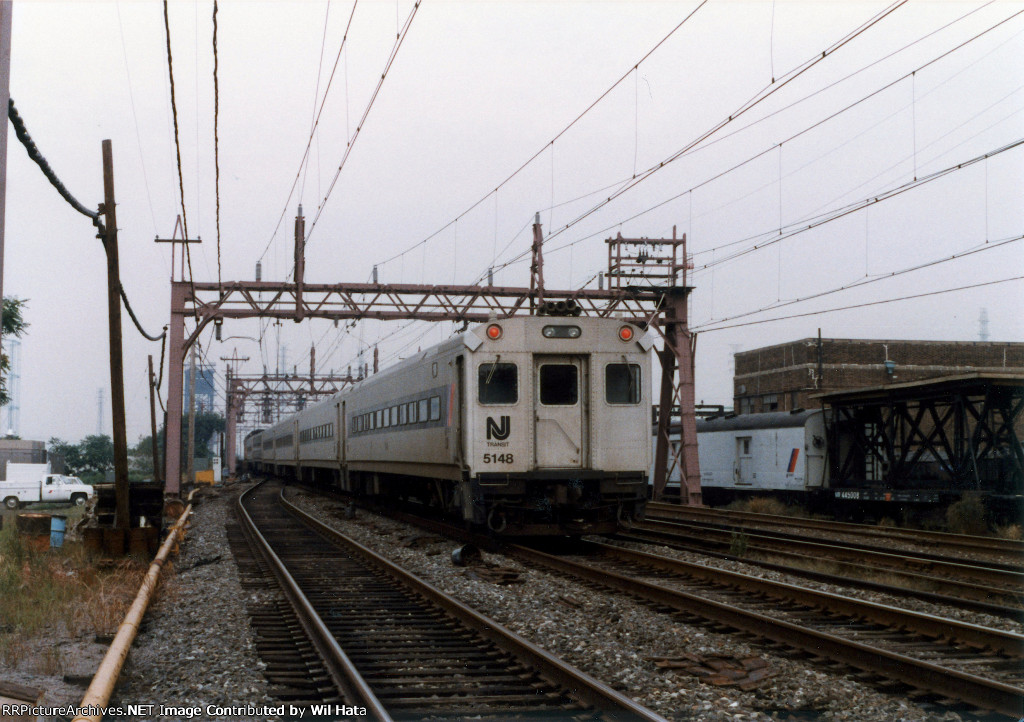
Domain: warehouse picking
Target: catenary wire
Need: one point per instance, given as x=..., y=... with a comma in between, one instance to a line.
x=312, y=133
x=558, y=135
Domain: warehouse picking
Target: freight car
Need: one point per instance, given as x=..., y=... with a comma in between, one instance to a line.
x=781, y=452
x=529, y=426
x=804, y=456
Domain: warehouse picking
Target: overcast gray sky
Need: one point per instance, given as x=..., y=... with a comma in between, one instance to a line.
x=475, y=90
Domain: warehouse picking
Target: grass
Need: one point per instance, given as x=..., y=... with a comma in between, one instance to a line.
x=58, y=594
x=766, y=505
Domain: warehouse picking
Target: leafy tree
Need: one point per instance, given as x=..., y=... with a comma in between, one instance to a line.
x=207, y=424
x=90, y=459
x=14, y=325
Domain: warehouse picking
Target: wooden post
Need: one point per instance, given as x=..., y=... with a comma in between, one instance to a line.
x=152, y=422
x=122, y=517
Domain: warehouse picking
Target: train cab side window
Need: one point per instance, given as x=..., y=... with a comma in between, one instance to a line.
x=498, y=383
x=559, y=384
x=435, y=408
x=622, y=383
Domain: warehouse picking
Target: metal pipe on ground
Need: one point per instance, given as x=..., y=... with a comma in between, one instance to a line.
x=102, y=686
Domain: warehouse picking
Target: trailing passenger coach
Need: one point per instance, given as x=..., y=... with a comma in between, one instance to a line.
x=528, y=425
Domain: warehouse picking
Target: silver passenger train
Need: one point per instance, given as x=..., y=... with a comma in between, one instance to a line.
x=529, y=426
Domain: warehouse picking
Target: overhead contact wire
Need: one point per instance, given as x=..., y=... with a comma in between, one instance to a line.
x=562, y=132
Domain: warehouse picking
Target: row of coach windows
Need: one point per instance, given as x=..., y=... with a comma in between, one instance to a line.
x=285, y=440
x=317, y=433
x=559, y=384
x=413, y=412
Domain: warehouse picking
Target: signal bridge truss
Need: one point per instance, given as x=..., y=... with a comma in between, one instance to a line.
x=270, y=390
x=662, y=307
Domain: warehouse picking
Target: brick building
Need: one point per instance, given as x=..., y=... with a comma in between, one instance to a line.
x=784, y=376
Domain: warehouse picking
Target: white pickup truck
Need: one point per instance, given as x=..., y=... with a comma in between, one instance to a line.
x=27, y=483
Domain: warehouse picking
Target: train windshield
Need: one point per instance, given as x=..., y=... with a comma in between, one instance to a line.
x=622, y=383
x=559, y=384
x=498, y=383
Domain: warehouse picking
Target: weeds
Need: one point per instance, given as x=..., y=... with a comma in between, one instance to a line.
x=738, y=544
x=967, y=516
x=61, y=589
x=1013, y=532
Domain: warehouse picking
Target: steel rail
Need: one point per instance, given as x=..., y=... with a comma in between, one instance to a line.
x=342, y=671
x=930, y=625
x=983, y=693
x=1008, y=575
x=973, y=543
x=975, y=599
x=102, y=686
x=582, y=686
x=992, y=583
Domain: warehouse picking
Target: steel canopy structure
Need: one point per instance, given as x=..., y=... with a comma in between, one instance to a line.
x=630, y=296
x=920, y=440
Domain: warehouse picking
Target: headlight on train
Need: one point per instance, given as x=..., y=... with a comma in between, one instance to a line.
x=626, y=333
x=561, y=332
x=494, y=332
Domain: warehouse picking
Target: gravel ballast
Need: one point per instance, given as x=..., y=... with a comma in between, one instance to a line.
x=196, y=646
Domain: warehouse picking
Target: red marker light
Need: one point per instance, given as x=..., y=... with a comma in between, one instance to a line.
x=494, y=332
x=626, y=333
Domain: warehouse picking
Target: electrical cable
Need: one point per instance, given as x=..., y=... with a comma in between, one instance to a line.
x=756, y=99
x=312, y=133
x=177, y=146
x=216, y=140
x=33, y=152
x=550, y=142
x=986, y=246
x=869, y=303
x=359, y=126
x=766, y=117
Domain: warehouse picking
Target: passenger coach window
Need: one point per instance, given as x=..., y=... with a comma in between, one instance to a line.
x=559, y=384
x=498, y=383
x=622, y=383
x=435, y=408
x=422, y=411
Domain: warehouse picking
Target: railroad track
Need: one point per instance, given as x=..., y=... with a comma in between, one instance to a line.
x=978, y=547
x=937, y=658
x=389, y=642
x=924, y=657
x=974, y=587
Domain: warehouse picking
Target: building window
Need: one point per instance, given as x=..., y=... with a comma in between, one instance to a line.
x=770, y=402
x=745, y=405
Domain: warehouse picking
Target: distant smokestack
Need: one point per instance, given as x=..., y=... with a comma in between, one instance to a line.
x=983, y=325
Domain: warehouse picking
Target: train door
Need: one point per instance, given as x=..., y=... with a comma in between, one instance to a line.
x=744, y=460
x=339, y=443
x=559, y=411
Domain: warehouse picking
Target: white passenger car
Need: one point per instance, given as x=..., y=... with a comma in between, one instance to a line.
x=529, y=425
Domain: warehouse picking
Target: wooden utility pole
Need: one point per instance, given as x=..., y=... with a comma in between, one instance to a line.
x=122, y=516
x=152, y=421
x=192, y=416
